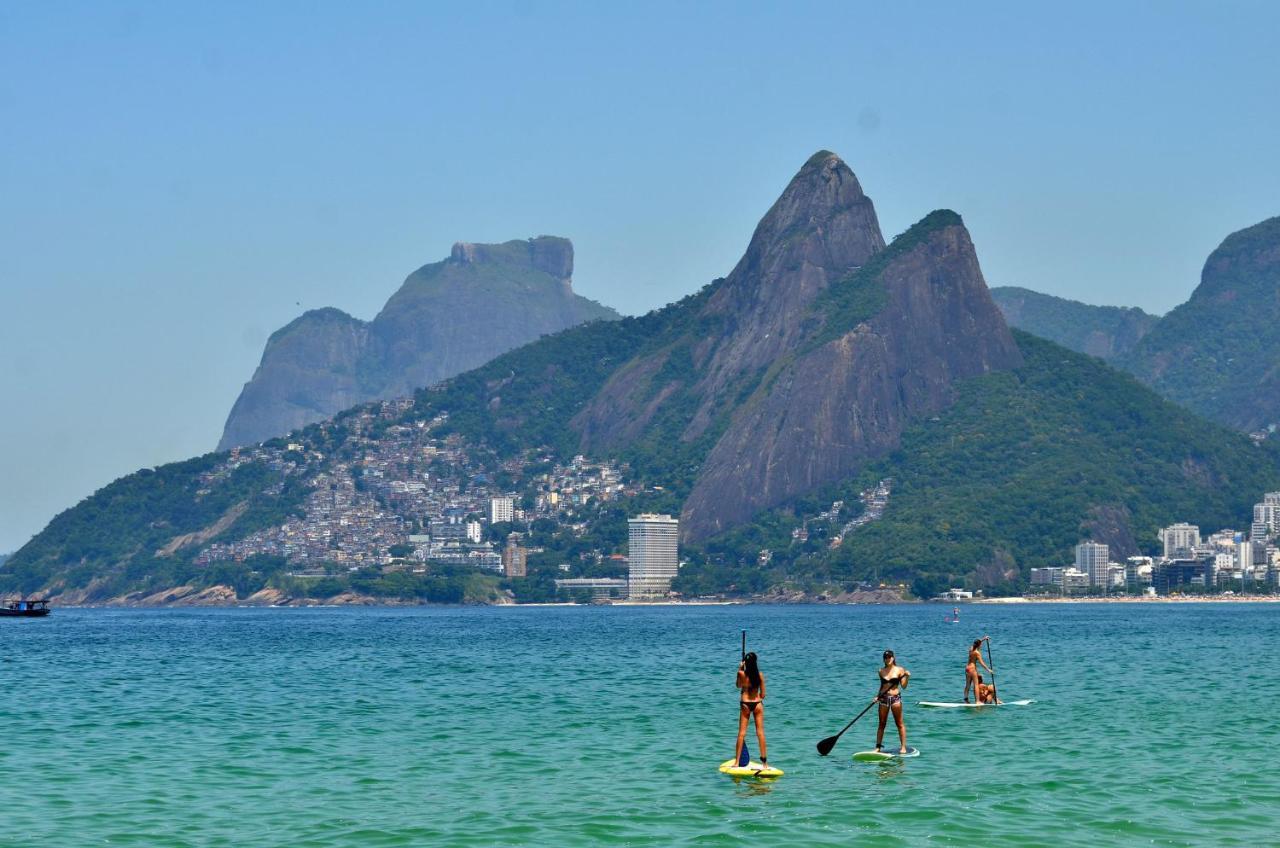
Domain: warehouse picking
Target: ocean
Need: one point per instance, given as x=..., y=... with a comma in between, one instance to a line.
x=1153, y=724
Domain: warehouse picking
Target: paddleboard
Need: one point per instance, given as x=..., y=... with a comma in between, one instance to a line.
x=890, y=752
x=950, y=705
x=752, y=769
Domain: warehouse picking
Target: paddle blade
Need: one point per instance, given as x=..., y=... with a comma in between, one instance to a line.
x=744, y=758
x=825, y=746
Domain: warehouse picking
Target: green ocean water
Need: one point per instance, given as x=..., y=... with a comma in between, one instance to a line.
x=1153, y=725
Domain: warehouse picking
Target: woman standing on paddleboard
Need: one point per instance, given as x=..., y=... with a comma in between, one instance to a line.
x=893, y=678
x=971, y=670
x=751, y=704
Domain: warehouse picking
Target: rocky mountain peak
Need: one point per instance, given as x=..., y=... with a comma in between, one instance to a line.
x=549, y=254
x=1246, y=264
x=822, y=220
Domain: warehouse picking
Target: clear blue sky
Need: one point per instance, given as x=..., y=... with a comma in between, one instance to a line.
x=178, y=180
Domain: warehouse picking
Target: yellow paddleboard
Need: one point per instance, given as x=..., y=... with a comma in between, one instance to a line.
x=752, y=769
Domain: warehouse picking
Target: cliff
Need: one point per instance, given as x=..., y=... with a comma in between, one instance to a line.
x=447, y=317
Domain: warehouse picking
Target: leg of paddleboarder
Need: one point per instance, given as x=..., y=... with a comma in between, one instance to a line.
x=893, y=678
x=751, y=685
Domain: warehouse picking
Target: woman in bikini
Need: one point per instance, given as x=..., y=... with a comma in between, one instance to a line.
x=987, y=694
x=971, y=670
x=751, y=705
x=893, y=678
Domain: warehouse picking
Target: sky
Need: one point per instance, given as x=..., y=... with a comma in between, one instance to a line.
x=178, y=180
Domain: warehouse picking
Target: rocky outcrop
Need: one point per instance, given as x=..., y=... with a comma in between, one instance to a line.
x=1218, y=354
x=822, y=227
x=1106, y=332
x=832, y=408
x=812, y=356
x=447, y=317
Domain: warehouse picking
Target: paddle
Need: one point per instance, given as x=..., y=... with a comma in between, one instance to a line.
x=992, y=663
x=744, y=756
x=825, y=746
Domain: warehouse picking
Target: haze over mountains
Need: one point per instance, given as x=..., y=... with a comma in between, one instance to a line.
x=824, y=361
x=485, y=299
x=1102, y=331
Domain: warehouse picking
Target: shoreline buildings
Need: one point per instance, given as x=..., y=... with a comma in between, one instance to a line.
x=652, y=555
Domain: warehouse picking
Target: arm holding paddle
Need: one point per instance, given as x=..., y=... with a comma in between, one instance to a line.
x=986, y=639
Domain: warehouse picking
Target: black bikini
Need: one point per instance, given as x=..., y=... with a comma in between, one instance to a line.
x=888, y=683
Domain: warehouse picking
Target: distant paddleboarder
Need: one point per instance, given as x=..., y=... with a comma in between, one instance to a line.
x=893, y=678
x=971, y=677
x=751, y=704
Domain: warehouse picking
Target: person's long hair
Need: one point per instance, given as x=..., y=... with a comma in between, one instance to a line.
x=752, y=669
x=976, y=643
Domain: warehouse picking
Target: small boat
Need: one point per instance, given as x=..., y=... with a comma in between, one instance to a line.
x=26, y=608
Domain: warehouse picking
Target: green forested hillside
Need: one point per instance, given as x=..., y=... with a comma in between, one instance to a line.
x=113, y=536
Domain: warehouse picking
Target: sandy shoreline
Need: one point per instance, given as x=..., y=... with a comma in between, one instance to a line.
x=1136, y=599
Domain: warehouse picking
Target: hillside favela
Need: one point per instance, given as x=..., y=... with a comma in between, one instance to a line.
x=517, y=425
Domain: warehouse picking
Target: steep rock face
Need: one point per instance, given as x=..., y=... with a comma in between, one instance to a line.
x=1219, y=353
x=1106, y=332
x=447, y=317
x=821, y=228
x=810, y=358
x=308, y=370
x=832, y=408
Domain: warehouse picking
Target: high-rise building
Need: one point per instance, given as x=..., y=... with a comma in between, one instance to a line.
x=501, y=509
x=652, y=555
x=515, y=557
x=1092, y=558
x=1244, y=556
x=1180, y=541
x=1259, y=531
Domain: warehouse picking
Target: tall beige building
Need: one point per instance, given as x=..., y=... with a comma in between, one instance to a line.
x=653, y=555
x=515, y=557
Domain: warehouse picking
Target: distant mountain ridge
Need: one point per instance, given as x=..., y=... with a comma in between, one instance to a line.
x=447, y=317
x=803, y=364
x=1106, y=332
x=1219, y=353
x=824, y=362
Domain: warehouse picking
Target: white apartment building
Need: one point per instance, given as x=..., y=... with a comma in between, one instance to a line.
x=501, y=509
x=1180, y=540
x=1092, y=558
x=652, y=555
x=1244, y=557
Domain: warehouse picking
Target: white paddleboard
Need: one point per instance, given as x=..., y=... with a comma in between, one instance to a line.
x=957, y=706
x=890, y=752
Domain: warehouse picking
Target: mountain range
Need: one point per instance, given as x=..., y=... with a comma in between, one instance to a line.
x=447, y=317
x=825, y=361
